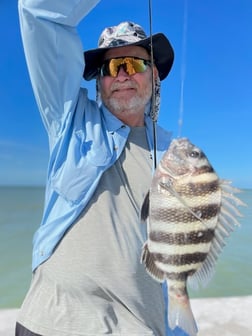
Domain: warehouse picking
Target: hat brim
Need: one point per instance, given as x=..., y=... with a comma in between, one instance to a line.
x=163, y=55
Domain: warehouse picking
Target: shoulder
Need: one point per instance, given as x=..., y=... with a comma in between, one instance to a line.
x=163, y=138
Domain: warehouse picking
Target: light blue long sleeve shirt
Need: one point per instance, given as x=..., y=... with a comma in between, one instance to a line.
x=84, y=139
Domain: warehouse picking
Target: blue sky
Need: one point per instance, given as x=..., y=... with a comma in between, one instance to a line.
x=213, y=58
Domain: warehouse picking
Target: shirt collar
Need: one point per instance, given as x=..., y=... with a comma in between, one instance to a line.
x=112, y=122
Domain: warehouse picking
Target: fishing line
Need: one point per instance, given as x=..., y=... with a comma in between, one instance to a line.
x=183, y=70
x=153, y=112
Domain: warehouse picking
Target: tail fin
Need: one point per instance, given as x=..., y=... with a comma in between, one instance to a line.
x=180, y=315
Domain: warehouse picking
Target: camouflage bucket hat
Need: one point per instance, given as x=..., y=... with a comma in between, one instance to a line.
x=129, y=33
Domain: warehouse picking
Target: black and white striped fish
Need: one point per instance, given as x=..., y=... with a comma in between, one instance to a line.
x=189, y=213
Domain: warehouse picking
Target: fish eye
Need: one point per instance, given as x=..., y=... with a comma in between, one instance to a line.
x=194, y=154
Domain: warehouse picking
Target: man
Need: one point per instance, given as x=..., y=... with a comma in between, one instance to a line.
x=87, y=275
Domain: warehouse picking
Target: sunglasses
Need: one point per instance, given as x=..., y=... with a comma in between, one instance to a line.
x=131, y=65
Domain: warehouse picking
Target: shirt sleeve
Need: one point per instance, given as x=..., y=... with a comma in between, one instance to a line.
x=54, y=56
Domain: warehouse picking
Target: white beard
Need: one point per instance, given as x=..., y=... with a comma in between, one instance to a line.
x=133, y=103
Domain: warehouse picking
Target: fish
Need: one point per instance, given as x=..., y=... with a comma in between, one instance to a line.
x=190, y=213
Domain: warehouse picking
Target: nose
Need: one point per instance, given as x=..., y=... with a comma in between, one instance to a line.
x=122, y=74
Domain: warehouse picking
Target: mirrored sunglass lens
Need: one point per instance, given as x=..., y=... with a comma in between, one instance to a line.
x=105, y=69
x=130, y=65
x=139, y=65
x=114, y=66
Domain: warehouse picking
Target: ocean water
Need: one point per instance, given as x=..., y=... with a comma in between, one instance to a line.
x=20, y=214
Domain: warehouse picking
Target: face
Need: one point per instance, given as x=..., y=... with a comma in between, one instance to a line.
x=127, y=95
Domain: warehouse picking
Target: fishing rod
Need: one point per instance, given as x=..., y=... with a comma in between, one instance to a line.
x=153, y=112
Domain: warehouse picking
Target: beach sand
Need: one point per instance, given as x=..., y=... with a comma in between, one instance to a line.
x=230, y=316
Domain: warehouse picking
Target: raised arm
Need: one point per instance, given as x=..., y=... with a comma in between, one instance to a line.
x=54, y=55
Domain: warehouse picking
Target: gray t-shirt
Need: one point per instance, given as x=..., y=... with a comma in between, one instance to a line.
x=94, y=283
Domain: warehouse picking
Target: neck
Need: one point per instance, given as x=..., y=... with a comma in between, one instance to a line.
x=131, y=118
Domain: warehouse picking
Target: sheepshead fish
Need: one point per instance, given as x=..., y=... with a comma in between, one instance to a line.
x=189, y=212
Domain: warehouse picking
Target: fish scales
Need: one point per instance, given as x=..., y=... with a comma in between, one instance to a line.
x=193, y=237
x=176, y=259
x=189, y=213
x=181, y=215
x=156, y=247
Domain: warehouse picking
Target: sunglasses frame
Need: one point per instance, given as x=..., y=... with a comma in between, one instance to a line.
x=123, y=63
